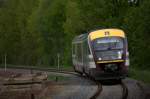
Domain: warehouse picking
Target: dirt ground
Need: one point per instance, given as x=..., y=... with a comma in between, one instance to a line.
x=74, y=87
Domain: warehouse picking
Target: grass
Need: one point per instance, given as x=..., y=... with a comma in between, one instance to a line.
x=56, y=77
x=141, y=75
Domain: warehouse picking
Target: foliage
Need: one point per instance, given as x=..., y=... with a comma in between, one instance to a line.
x=33, y=32
x=141, y=75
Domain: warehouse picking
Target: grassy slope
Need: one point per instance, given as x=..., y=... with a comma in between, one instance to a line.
x=142, y=75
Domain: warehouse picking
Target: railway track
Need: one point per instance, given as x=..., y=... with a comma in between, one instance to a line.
x=94, y=96
x=100, y=88
x=98, y=92
x=124, y=91
x=99, y=85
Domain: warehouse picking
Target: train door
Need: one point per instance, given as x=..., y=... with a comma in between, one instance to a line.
x=79, y=57
x=84, y=54
x=74, y=54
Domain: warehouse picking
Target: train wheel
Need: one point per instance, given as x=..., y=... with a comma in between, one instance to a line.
x=118, y=81
x=74, y=69
x=81, y=74
x=90, y=74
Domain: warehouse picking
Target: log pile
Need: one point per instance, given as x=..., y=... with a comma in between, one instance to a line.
x=24, y=86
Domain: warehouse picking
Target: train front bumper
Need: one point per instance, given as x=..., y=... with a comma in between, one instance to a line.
x=103, y=75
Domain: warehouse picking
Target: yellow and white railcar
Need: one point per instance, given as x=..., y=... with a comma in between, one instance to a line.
x=102, y=54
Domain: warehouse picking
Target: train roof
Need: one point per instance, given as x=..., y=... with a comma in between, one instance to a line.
x=106, y=32
x=80, y=37
x=99, y=33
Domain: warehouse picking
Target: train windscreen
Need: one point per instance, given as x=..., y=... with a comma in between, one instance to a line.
x=110, y=48
x=108, y=43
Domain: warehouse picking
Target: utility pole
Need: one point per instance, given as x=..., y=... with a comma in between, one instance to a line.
x=5, y=62
x=58, y=57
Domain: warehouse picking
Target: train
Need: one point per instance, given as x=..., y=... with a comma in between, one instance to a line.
x=101, y=54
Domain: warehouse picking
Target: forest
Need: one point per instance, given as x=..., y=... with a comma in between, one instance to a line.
x=34, y=32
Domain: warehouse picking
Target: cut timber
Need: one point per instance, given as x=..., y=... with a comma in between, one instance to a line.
x=24, y=79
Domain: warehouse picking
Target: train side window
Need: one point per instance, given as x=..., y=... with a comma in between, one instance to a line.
x=79, y=52
x=73, y=49
x=88, y=48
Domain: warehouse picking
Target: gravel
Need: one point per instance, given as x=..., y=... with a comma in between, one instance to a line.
x=75, y=87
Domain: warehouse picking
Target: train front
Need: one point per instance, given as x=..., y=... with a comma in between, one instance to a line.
x=110, y=53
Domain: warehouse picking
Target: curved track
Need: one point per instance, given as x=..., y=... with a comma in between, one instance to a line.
x=100, y=88
x=99, y=85
x=124, y=91
x=98, y=92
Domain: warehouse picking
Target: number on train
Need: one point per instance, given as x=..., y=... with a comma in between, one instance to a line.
x=102, y=54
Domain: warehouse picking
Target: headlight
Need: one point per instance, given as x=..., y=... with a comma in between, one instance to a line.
x=120, y=54
x=99, y=58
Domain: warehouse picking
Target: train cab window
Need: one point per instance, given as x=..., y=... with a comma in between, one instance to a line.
x=108, y=48
x=108, y=43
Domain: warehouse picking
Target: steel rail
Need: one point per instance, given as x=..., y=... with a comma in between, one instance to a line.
x=98, y=92
x=124, y=91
